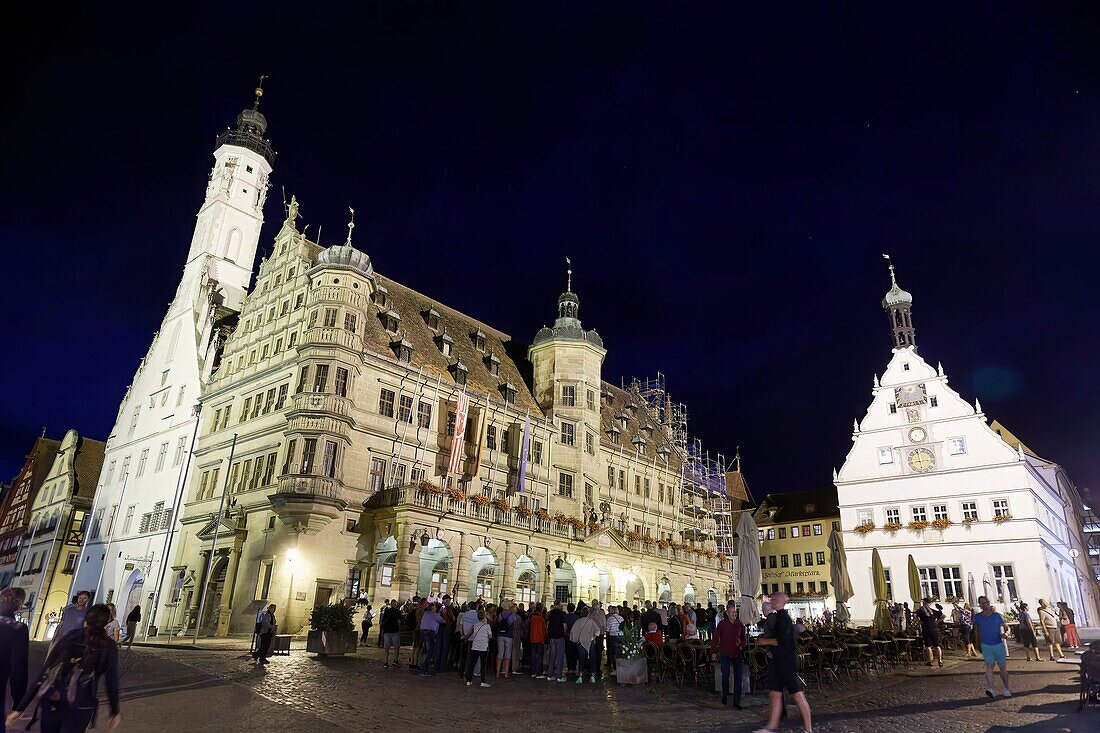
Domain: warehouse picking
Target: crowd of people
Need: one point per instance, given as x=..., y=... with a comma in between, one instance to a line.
x=64, y=696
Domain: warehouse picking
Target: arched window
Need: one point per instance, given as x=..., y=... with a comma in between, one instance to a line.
x=233, y=245
x=484, y=586
x=525, y=587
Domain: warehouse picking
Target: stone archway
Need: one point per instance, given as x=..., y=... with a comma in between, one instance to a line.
x=564, y=582
x=483, y=572
x=527, y=580
x=689, y=593
x=435, y=567
x=664, y=591
x=385, y=560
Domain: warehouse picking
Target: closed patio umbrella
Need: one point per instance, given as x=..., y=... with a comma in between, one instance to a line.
x=987, y=588
x=883, y=620
x=971, y=594
x=838, y=571
x=748, y=568
x=914, y=583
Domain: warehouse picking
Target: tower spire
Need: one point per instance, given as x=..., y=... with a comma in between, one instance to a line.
x=351, y=225
x=568, y=275
x=898, y=305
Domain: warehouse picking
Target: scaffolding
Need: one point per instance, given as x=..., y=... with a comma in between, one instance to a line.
x=704, y=501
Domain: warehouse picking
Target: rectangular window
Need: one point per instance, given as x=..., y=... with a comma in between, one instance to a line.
x=588, y=492
x=280, y=401
x=1004, y=580
x=622, y=480
x=771, y=533
x=536, y=452
x=865, y=516
x=1000, y=508
x=796, y=558
x=504, y=444
x=257, y=405
x=214, y=480
x=568, y=395
x=269, y=401
x=782, y=533
x=386, y=399
x=491, y=437
x=349, y=322
x=244, y=410
x=565, y=484
x=920, y=513
x=288, y=462
x=341, y=385
x=298, y=301
x=889, y=584
x=568, y=433
x=129, y=519
x=110, y=473
x=263, y=581
x=309, y=453
x=377, y=474
x=142, y=460
x=784, y=561
x=939, y=511
x=951, y=576
x=824, y=588
x=794, y=532
x=162, y=456
x=799, y=588
x=821, y=557
x=590, y=444
x=416, y=475
x=217, y=420
x=204, y=480
x=246, y=476
x=451, y=423
x=257, y=473
x=398, y=474
x=591, y=399
x=970, y=511
x=885, y=455
x=293, y=340
x=278, y=345
x=330, y=317
x=269, y=469
x=646, y=493
x=320, y=379
x=787, y=588
x=817, y=530
x=637, y=485
x=811, y=586
x=893, y=515
x=893, y=409
x=956, y=446
x=265, y=351
x=405, y=409
x=423, y=415
x=773, y=562
x=181, y=446
x=330, y=459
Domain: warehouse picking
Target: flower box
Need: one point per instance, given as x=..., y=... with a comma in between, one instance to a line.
x=1002, y=518
x=325, y=643
x=891, y=527
x=941, y=524
x=865, y=528
x=427, y=487
x=917, y=525
x=481, y=500
x=522, y=510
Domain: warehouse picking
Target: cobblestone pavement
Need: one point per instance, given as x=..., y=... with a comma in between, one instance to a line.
x=206, y=690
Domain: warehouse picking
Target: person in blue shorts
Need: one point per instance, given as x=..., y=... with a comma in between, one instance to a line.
x=991, y=630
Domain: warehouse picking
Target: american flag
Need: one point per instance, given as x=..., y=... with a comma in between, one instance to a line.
x=455, y=465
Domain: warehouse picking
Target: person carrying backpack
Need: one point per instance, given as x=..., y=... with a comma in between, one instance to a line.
x=66, y=693
x=14, y=643
x=505, y=623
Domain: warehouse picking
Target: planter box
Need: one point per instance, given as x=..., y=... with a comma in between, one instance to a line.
x=325, y=643
x=631, y=671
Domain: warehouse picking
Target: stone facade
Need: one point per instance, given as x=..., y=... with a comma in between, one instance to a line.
x=326, y=442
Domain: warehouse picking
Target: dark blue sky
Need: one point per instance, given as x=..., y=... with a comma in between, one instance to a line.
x=724, y=179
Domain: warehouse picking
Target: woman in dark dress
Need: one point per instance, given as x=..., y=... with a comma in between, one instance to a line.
x=93, y=657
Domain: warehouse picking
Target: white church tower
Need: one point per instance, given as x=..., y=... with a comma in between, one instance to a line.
x=132, y=525
x=928, y=477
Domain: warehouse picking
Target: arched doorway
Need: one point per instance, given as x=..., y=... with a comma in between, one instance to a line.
x=664, y=591
x=601, y=587
x=565, y=581
x=712, y=597
x=214, y=590
x=635, y=589
x=483, y=570
x=689, y=593
x=527, y=580
x=130, y=597
x=385, y=565
x=435, y=569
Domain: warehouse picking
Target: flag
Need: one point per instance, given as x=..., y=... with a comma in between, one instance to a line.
x=455, y=465
x=523, y=453
x=483, y=422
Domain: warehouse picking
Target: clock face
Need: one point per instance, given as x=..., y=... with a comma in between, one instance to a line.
x=910, y=394
x=917, y=435
x=921, y=460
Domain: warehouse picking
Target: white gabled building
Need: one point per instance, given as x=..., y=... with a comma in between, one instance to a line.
x=928, y=476
x=136, y=504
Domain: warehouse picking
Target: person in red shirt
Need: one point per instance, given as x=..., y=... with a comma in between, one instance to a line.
x=536, y=635
x=728, y=644
x=654, y=634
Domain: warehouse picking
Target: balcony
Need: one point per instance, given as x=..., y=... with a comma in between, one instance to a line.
x=308, y=485
x=320, y=335
x=322, y=402
x=334, y=294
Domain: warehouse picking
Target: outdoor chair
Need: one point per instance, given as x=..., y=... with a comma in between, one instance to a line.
x=654, y=663
x=758, y=666
x=671, y=663
x=1090, y=680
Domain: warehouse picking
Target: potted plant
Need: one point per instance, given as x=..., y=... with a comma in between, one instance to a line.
x=331, y=630
x=1002, y=518
x=543, y=515
x=918, y=525
x=501, y=503
x=522, y=510
x=865, y=528
x=630, y=665
x=941, y=524
x=481, y=499
x=456, y=494
x=891, y=527
x=427, y=487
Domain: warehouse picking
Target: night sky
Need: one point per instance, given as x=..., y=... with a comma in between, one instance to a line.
x=724, y=182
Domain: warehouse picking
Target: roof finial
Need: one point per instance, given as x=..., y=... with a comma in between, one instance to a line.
x=259, y=91
x=890, y=263
x=351, y=225
x=737, y=459
x=568, y=275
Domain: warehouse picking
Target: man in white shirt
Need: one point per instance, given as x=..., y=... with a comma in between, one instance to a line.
x=614, y=621
x=466, y=623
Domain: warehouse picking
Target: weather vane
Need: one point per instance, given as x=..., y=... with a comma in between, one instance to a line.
x=890, y=263
x=351, y=224
x=259, y=91
x=568, y=275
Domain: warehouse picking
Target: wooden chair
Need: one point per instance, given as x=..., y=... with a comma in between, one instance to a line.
x=653, y=660
x=671, y=661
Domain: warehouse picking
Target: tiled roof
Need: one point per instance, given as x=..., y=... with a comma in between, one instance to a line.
x=797, y=506
x=89, y=463
x=737, y=488
x=411, y=306
x=641, y=414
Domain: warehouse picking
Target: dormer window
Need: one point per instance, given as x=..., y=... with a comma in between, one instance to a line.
x=508, y=391
x=391, y=319
x=403, y=350
x=647, y=428
x=492, y=363
x=639, y=445
x=478, y=337
x=431, y=317
x=445, y=343
x=663, y=452
x=459, y=372
x=379, y=296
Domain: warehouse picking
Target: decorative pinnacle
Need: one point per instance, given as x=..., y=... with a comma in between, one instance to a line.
x=259, y=91
x=893, y=280
x=568, y=275
x=737, y=459
x=351, y=225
